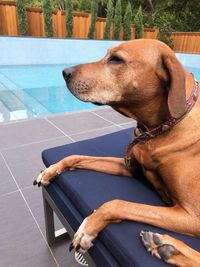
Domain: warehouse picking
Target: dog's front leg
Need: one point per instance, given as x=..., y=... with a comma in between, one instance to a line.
x=174, y=219
x=110, y=165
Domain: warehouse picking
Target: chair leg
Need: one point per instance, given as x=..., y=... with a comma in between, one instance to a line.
x=51, y=235
x=49, y=222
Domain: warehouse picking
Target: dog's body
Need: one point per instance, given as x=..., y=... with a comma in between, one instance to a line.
x=142, y=79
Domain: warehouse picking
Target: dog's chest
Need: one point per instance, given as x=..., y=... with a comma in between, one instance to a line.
x=150, y=165
x=143, y=153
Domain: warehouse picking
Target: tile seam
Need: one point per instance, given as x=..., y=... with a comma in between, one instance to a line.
x=93, y=130
x=106, y=119
x=124, y=123
x=33, y=143
x=9, y=193
x=27, y=205
x=59, y=129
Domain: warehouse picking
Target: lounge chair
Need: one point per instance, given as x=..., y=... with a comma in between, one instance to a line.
x=75, y=194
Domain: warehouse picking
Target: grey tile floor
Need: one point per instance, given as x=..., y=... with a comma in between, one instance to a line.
x=22, y=231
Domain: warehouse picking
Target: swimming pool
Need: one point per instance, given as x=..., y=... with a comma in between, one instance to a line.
x=32, y=91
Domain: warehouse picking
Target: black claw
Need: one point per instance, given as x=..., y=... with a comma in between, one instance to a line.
x=39, y=184
x=77, y=248
x=34, y=182
x=41, y=171
x=71, y=247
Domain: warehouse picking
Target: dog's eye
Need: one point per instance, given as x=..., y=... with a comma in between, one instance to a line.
x=115, y=60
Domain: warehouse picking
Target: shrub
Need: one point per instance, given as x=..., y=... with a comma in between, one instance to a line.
x=165, y=29
x=69, y=18
x=109, y=17
x=47, y=11
x=117, y=20
x=165, y=36
x=94, y=10
x=138, y=20
x=22, y=17
x=127, y=22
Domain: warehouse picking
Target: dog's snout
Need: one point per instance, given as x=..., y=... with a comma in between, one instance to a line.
x=67, y=73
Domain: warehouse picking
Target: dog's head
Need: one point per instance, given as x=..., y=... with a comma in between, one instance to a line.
x=131, y=74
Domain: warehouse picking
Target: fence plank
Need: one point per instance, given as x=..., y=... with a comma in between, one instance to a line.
x=186, y=42
x=15, y=21
x=149, y=33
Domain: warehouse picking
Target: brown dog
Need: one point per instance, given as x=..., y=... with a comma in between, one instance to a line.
x=142, y=79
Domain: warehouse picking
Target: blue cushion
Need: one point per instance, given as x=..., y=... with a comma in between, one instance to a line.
x=87, y=190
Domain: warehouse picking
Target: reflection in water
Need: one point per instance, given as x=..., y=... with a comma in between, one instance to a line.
x=30, y=91
x=27, y=103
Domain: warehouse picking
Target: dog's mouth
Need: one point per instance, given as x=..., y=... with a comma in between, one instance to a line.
x=98, y=103
x=82, y=91
x=82, y=95
x=78, y=89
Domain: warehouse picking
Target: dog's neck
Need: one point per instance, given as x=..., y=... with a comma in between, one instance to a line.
x=155, y=112
x=149, y=115
x=152, y=114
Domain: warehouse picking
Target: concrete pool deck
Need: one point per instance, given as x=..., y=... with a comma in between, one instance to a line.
x=22, y=230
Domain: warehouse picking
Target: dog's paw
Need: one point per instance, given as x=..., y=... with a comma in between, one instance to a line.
x=46, y=176
x=155, y=244
x=90, y=227
x=82, y=240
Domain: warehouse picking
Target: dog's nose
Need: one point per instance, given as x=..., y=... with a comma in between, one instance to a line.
x=67, y=73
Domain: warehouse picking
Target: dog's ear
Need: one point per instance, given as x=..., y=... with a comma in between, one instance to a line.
x=174, y=77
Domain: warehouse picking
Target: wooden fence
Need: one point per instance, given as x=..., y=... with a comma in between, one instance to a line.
x=183, y=42
x=8, y=23
x=186, y=42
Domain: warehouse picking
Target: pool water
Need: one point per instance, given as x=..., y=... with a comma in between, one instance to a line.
x=38, y=90
x=195, y=71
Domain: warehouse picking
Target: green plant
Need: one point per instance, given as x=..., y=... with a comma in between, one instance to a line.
x=127, y=22
x=22, y=17
x=69, y=18
x=165, y=29
x=109, y=17
x=138, y=20
x=94, y=10
x=84, y=5
x=47, y=10
x=117, y=20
